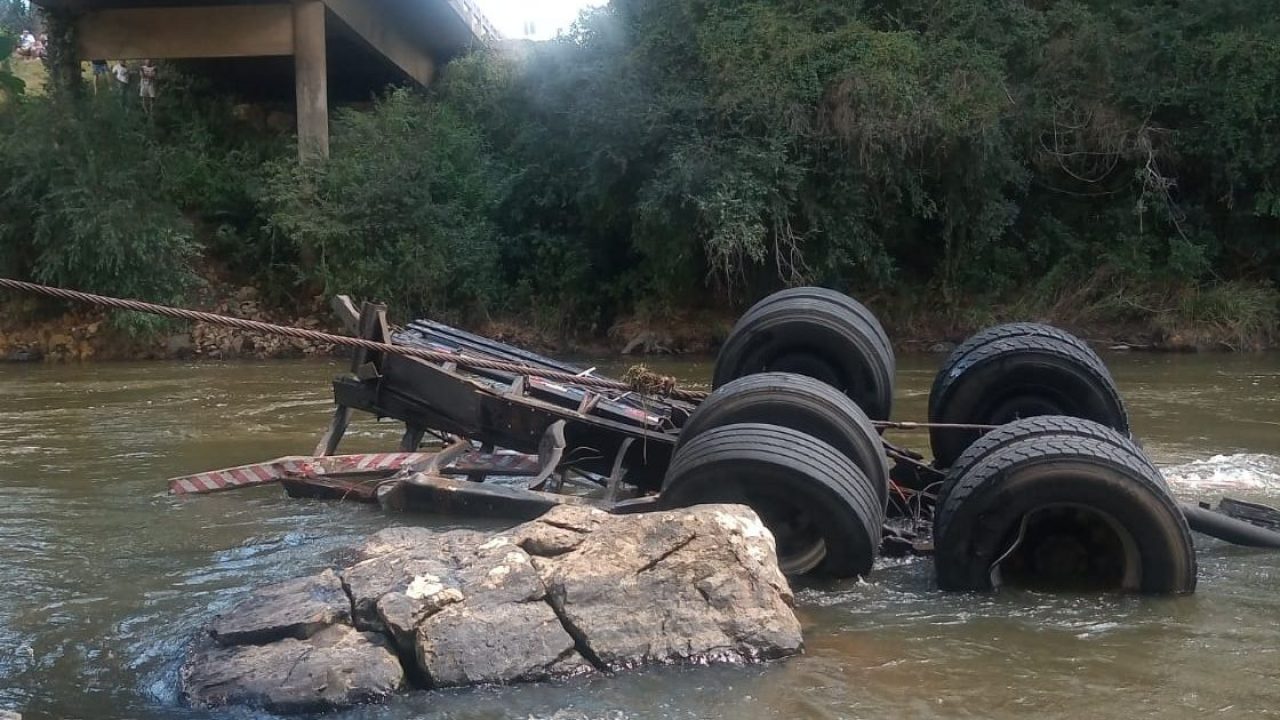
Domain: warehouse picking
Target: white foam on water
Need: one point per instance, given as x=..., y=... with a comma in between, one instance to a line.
x=1257, y=474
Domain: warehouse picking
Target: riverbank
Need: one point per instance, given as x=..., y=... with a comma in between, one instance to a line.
x=29, y=332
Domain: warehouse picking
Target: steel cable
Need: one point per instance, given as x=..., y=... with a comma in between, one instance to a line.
x=468, y=361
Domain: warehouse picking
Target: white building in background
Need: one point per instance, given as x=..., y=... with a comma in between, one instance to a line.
x=534, y=19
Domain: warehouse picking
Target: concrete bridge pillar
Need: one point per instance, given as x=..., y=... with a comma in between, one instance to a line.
x=312, y=78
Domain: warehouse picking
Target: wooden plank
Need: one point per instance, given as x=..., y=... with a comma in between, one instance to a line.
x=186, y=32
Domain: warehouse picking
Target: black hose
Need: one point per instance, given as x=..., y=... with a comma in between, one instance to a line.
x=1225, y=527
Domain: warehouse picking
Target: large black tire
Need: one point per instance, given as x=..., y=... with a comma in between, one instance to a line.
x=1034, y=427
x=1064, y=511
x=1016, y=377
x=1001, y=332
x=801, y=403
x=814, y=332
x=822, y=509
x=839, y=299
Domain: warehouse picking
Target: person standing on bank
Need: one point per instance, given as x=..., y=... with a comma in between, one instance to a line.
x=147, y=88
x=100, y=71
x=121, y=73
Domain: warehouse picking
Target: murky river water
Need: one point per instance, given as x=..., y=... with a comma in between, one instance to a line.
x=104, y=578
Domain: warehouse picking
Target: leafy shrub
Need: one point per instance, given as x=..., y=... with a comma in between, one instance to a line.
x=401, y=211
x=697, y=150
x=98, y=196
x=1112, y=160
x=81, y=205
x=10, y=84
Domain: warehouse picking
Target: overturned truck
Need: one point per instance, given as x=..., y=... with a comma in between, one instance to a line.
x=1035, y=480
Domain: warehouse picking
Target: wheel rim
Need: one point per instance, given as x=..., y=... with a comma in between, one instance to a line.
x=1067, y=546
x=800, y=544
x=1024, y=405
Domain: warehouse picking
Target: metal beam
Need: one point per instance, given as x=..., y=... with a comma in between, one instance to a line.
x=386, y=38
x=186, y=32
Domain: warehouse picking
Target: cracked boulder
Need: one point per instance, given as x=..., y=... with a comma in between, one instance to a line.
x=501, y=630
x=335, y=668
x=404, y=561
x=574, y=592
x=693, y=585
x=296, y=608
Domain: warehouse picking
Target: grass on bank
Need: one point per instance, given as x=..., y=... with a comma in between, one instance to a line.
x=35, y=75
x=1231, y=315
x=30, y=72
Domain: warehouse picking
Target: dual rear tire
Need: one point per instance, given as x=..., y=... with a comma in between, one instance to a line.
x=802, y=455
x=818, y=333
x=1060, y=503
x=1056, y=497
x=823, y=510
x=1016, y=371
x=788, y=430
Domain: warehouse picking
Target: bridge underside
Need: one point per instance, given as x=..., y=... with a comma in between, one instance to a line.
x=365, y=44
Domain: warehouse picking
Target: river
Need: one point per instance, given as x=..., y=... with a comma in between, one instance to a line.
x=104, y=578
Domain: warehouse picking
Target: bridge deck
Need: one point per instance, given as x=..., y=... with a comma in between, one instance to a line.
x=412, y=36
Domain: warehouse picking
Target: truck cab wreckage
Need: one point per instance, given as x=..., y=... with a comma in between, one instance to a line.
x=1035, y=482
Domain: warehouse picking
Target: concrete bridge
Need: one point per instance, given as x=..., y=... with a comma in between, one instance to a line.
x=409, y=37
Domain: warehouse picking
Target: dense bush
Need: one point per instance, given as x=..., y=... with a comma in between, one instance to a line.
x=1087, y=160
x=963, y=147
x=400, y=212
x=10, y=84
x=100, y=197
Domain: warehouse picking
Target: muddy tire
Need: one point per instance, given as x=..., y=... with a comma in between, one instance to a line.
x=824, y=512
x=1014, y=376
x=1063, y=512
x=800, y=403
x=815, y=332
x=1034, y=427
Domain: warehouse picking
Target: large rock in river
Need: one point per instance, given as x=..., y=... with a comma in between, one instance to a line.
x=575, y=592
x=683, y=586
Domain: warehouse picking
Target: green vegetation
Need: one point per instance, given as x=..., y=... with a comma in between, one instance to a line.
x=11, y=85
x=98, y=197
x=401, y=211
x=16, y=16
x=1102, y=163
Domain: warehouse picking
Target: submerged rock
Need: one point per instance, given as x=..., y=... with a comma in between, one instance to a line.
x=293, y=609
x=337, y=667
x=575, y=592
